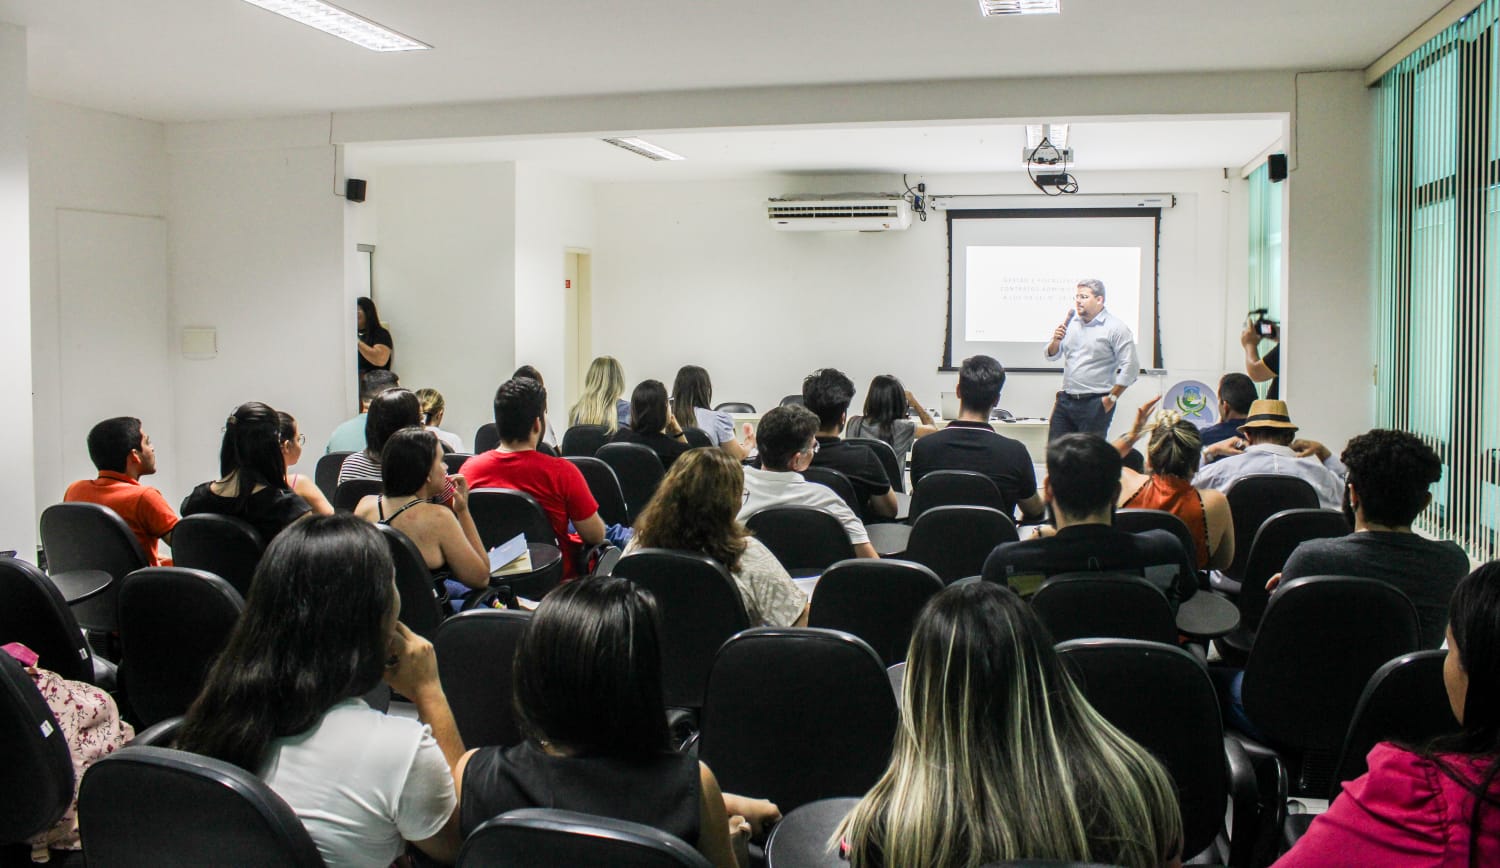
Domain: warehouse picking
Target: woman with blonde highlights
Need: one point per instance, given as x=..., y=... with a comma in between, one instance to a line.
x=999, y=756
x=695, y=510
x=600, y=403
x=1174, y=451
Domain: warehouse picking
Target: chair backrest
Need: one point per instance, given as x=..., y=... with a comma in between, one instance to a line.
x=801, y=838
x=839, y=483
x=876, y=600
x=200, y=811
x=583, y=440
x=87, y=536
x=734, y=407
x=604, y=485
x=1137, y=520
x=34, y=613
x=34, y=754
x=501, y=513
x=955, y=488
x=174, y=621
x=486, y=437
x=954, y=540
x=796, y=715
x=419, y=606
x=1108, y=605
x=1255, y=498
x=546, y=838
x=475, y=653
x=888, y=459
x=700, y=607
x=326, y=472
x=453, y=462
x=1405, y=701
x=639, y=470
x=802, y=538
x=1161, y=696
x=1321, y=639
x=698, y=438
x=348, y=494
x=1278, y=537
x=793, y=399
x=223, y=545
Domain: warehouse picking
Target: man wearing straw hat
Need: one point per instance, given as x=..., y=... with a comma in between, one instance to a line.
x=1270, y=435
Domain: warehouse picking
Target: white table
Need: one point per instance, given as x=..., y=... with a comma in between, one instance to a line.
x=1031, y=432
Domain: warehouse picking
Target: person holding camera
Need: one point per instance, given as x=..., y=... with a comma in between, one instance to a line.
x=1267, y=367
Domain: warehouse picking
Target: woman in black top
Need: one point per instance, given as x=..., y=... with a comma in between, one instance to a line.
x=375, y=345
x=252, y=475
x=588, y=695
x=653, y=425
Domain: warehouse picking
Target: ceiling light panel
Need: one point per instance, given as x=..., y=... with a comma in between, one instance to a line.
x=645, y=149
x=342, y=23
x=1020, y=7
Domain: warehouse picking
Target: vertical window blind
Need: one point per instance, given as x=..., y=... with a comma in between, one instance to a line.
x=1438, y=353
x=1265, y=249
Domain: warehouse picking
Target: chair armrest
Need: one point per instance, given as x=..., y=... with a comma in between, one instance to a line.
x=160, y=734
x=1257, y=842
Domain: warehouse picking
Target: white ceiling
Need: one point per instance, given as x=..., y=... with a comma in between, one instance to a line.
x=176, y=60
x=949, y=149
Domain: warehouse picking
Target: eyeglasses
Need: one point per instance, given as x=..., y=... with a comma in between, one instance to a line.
x=812, y=450
x=300, y=440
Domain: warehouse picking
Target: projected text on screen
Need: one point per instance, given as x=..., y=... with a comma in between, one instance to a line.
x=1020, y=294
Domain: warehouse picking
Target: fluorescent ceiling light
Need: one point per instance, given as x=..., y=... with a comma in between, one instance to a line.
x=1055, y=134
x=342, y=23
x=1019, y=7
x=645, y=149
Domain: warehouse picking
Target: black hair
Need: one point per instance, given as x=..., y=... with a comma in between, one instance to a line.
x=827, y=392
x=1083, y=471
x=112, y=441
x=251, y=450
x=528, y=372
x=783, y=432
x=1238, y=391
x=286, y=426
x=391, y=411
x=315, y=631
x=885, y=402
x=587, y=671
x=691, y=389
x=373, y=382
x=406, y=460
x=1391, y=471
x=648, y=407
x=980, y=380
x=1134, y=460
x=519, y=402
x=367, y=304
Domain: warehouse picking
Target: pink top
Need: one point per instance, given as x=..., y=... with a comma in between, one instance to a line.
x=1404, y=812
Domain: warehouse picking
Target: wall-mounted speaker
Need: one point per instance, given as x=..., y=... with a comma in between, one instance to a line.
x=1275, y=170
x=354, y=188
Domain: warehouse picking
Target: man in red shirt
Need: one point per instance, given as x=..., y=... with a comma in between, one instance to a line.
x=123, y=453
x=520, y=417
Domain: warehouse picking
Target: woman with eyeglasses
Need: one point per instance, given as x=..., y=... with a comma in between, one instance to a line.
x=252, y=484
x=292, y=441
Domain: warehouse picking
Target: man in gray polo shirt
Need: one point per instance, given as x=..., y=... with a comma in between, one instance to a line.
x=1099, y=364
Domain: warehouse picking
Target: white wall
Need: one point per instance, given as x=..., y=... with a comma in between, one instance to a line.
x=17, y=478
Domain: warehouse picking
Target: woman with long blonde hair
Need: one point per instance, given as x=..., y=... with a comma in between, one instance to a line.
x=1000, y=757
x=600, y=403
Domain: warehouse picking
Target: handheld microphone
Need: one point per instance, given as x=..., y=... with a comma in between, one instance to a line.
x=1069, y=321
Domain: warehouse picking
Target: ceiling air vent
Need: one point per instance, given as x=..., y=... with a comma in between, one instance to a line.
x=849, y=213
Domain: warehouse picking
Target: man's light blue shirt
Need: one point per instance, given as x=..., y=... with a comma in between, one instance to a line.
x=349, y=436
x=1326, y=477
x=1097, y=355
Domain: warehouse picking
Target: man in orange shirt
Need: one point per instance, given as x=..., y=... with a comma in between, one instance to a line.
x=123, y=454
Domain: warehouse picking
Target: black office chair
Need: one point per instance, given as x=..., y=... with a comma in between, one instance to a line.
x=34, y=754
x=1161, y=697
x=734, y=407
x=163, y=733
x=499, y=515
x=604, y=485
x=1321, y=639
x=955, y=488
x=420, y=610
x=453, y=462
x=548, y=838
x=954, y=540
x=1406, y=701
x=801, y=839
x=700, y=608
x=326, y=472
x=1272, y=545
x=876, y=600
x=1113, y=605
x=223, y=545
x=79, y=537
x=698, y=438
x=486, y=437
x=892, y=462
x=1252, y=500
x=348, y=494
x=475, y=650
x=793, y=399
x=174, y=621
x=839, y=483
x=805, y=540
x=1139, y=520
x=797, y=715
x=200, y=811
x=583, y=440
x=33, y=613
x=639, y=470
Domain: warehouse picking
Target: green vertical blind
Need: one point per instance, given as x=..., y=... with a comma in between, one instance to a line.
x=1265, y=248
x=1438, y=353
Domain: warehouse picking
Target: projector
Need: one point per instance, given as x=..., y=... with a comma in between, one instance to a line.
x=1048, y=156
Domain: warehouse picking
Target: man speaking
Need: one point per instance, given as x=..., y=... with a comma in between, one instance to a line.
x=1099, y=364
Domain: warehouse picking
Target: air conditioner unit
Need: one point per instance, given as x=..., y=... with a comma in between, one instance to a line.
x=853, y=212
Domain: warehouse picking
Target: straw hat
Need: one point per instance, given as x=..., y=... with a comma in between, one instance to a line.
x=1267, y=413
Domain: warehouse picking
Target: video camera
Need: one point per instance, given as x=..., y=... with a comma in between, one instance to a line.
x=1267, y=328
